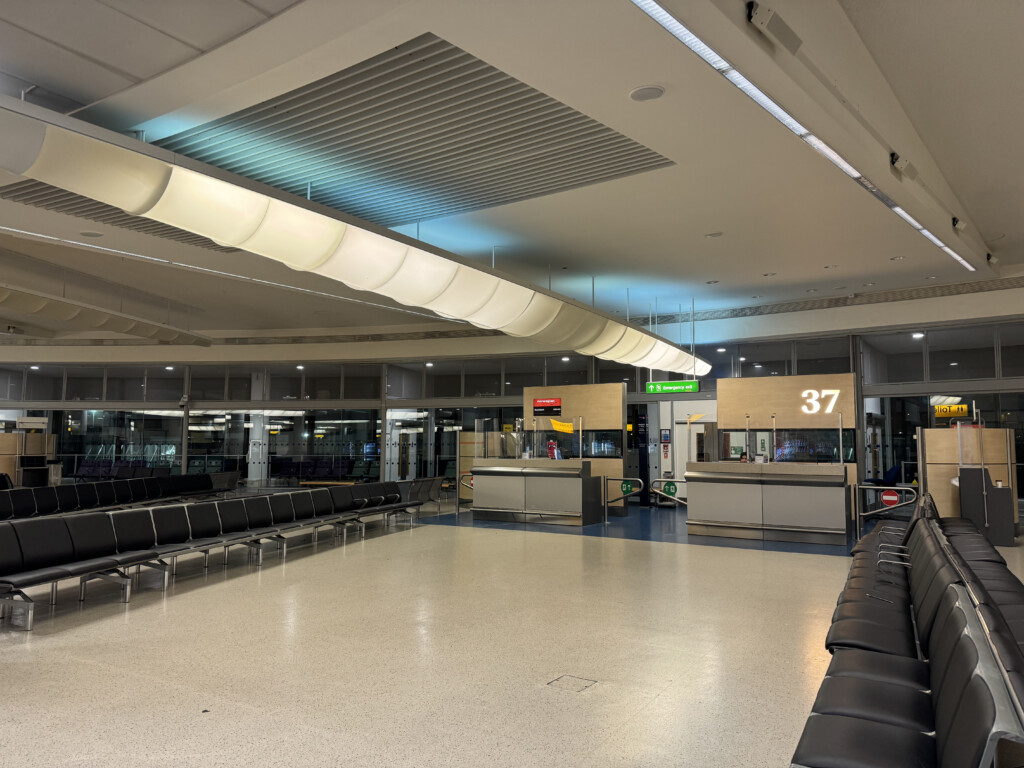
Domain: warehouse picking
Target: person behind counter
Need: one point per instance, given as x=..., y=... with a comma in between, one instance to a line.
x=743, y=458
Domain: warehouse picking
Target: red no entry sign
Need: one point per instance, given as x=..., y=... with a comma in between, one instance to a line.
x=890, y=498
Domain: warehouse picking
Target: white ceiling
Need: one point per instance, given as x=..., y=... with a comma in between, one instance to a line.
x=783, y=211
x=86, y=50
x=956, y=69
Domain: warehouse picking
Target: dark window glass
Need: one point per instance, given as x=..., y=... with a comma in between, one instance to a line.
x=483, y=378
x=523, y=372
x=823, y=356
x=568, y=369
x=890, y=358
x=961, y=353
x=405, y=381
x=362, y=381
x=83, y=384
x=444, y=379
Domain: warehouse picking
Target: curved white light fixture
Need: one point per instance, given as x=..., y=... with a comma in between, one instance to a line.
x=639, y=352
x=566, y=324
x=572, y=327
x=159, y=188
x=301, y=239
x=535, y=318
x=420, y=279
x=226, y=214
x=364, y=260
x=113, y=175
x=507, y=303
x=467, y=293
x=608, y=338
x=660, y=355
x=629, y=341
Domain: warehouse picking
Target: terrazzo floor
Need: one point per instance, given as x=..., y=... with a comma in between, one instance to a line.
x=431, y=645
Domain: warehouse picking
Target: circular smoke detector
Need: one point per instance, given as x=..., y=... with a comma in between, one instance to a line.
x=647, y=93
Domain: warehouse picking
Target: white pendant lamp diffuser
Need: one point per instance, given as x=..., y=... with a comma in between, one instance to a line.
x=232, y=215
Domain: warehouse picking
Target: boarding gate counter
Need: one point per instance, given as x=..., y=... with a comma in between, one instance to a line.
x=807, y=503
x=786, y=469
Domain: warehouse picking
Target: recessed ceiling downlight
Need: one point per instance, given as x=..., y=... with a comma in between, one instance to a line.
x=647, y=93
x=91, y=233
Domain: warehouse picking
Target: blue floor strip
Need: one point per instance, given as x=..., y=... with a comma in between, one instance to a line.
x=642, y=524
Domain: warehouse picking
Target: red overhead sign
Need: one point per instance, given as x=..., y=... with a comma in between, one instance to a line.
x=547, y=406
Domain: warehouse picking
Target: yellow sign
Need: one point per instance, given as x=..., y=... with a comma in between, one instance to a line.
x=562, y=426
x=949, y=411
x=506, y=427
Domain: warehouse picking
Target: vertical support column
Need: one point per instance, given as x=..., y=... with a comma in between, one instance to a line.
x=859, y=425
x=385, y=446
x=257, y=454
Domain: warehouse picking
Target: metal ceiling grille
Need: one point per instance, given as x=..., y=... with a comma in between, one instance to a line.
x=42, y=195
x=420, y=131
x=858, y=299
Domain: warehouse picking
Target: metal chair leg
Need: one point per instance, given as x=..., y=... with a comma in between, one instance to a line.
x=53, y=593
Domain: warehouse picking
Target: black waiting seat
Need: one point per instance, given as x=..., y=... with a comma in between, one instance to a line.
x=136, y=538
x=279, y=506
x=367, y=495
x=302, y=503
x=6, y=507
x=23, y=502
x=139, y=490
x=46, y=500
x=392, y=493
x=171, y=529
x=122, y=492
x=152, y=487
x=205, y=524
x=67, y=498
x=323, y=505
x=92, y=536
x=233, y=519
x=343, y=500
x=5, y=482
x=259, y=515
x=87, y=497
x=45, y=545
x=860, y=722
x=105, y=494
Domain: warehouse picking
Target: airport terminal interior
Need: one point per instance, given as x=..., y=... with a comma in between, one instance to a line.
x=576, y=383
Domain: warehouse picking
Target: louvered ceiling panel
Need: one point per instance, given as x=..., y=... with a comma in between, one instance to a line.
x=420, y=131
x=41, y=195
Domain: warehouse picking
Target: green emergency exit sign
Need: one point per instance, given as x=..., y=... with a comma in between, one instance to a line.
x=672, y=387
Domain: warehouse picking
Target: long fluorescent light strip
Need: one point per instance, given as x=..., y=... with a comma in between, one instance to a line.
x=232, y=275
x=755, y=94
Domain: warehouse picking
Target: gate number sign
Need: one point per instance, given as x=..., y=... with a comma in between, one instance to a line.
x=813, y=400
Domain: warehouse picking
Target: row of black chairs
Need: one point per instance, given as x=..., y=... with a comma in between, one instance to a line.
x=915, y=678
x=104, y=545
x=423, y=490
x=57, y=499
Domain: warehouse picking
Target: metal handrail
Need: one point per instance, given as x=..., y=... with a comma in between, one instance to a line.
x=458, y=494
x=619, y=480
x=661, y=493
x=861, y=515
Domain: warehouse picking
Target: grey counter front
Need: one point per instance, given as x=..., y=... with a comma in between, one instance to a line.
x=556, y=492
x=776, y=502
